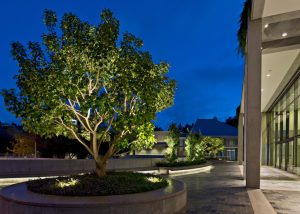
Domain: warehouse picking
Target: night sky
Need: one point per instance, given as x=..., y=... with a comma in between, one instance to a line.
x=196, y=37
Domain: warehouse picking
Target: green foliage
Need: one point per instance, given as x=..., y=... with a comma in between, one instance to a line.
x=193, y=147
x=115, y=183
x=7, y=137
x=172, y=142
x=83, y=85
x=234, y=121
x=212, y=146
x=180, y=163
x=242, y=32
x=198, y=147
x=25, y=144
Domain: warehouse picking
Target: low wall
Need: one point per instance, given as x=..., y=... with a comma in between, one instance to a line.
x=132, y=163
x=12, y=168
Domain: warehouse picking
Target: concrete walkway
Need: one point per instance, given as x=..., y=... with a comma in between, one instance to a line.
x=282, y=189
x=221, y=190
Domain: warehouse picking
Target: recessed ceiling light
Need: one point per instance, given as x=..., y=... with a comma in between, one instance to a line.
x=266, y=25
x=284, y=34
x=268, y=75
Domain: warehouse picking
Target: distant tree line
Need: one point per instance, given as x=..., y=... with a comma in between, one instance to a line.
x=233, y=121
x=182, y=128
x=13, y=140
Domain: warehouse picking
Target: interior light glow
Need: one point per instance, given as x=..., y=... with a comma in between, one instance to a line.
x=266, y=25
x=284, y=34
x=268, y=75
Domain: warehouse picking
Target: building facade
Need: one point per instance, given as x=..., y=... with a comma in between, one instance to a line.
x=269, y=119
x=282, y=145
x=159, y=149
x=205, y=127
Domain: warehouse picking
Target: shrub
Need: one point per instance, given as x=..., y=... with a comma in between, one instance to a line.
x=198, y=147
x=114, y=183
x=172, y=142
x=180, y=163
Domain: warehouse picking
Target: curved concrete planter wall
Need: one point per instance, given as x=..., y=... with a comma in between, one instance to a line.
x=16, y=199
x=184, y=169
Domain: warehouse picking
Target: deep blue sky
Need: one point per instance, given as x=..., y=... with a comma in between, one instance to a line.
x=198, y=39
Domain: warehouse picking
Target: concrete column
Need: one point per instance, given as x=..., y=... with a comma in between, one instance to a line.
x=253, y=104
x=241, y=139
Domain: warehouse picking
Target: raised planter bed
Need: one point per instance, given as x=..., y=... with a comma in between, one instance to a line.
x=184, y=169
x=16, y=199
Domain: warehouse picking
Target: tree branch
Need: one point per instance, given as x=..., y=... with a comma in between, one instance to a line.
x=87, y=119
x=74, y=134
x=106, y=130
x=77, y=114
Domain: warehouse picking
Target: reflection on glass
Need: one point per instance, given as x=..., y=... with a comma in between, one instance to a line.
x=284, y=131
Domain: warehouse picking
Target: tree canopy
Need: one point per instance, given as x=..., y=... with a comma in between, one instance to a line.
x=242, y=31
x=88, y=83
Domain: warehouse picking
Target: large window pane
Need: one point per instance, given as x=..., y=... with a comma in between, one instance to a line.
x=291, y=120
x=283, y=118
x=284, y=128
x=298, y=156
x=278, y=155
x=290, y=165
x=283, y=147
x=298, y=117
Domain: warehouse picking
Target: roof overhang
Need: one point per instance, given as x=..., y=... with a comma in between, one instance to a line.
x=280, y=20
x=267, y=8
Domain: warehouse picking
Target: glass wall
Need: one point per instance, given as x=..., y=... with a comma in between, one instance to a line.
x=284, y=131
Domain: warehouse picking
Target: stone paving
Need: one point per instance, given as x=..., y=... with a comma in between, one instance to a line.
x=282, y=189
x=222, y=190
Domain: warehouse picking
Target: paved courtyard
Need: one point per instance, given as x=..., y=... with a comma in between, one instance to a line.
x=282, y=189
x=222, y=190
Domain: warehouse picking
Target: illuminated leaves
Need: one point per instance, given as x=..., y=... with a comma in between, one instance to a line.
x=198, y=147
x=83, y=85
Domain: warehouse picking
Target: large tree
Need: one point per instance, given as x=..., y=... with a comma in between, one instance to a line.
x=87, y=83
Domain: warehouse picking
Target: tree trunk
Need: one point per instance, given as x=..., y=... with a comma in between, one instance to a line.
x=100, y=163
x=100, y=167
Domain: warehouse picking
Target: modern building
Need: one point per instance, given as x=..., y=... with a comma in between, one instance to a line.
x=159, y=149
x=215, y=128
x=206, y=127
x=269, y=121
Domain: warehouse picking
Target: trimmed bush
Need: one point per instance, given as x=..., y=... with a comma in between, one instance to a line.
x=180, y=163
